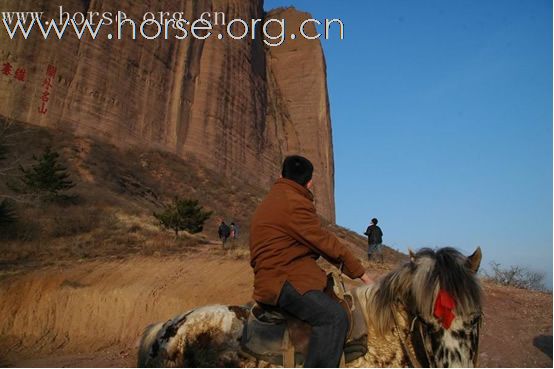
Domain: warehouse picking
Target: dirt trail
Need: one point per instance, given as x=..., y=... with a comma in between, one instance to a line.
x=98, y=305
x=92, y=313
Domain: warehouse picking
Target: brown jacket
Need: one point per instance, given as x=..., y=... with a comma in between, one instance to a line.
x=286, y=239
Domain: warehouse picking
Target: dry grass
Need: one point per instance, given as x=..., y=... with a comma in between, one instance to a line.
x=237, y=249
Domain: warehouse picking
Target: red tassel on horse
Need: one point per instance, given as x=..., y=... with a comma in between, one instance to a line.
x=444, y=308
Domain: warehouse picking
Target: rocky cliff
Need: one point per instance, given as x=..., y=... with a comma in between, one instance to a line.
x=236, y=106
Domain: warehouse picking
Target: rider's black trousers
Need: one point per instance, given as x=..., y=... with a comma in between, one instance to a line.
x=328, y=320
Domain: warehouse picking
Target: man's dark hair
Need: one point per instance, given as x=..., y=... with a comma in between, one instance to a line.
x=297, y=169
x=374, y=221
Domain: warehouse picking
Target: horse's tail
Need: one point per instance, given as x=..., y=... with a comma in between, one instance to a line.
x=146, y=341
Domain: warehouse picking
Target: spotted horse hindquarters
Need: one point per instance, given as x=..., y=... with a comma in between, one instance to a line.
x=207, y=336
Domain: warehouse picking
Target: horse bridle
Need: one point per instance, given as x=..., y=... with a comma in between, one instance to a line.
x=414, y=362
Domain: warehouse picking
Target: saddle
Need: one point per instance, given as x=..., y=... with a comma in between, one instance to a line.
x=274, y=336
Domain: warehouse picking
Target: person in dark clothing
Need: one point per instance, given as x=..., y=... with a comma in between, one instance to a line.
x=223, y=232
x=374, y=240
x=286, y=239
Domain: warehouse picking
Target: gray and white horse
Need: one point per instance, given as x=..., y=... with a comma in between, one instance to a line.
x=426, y=313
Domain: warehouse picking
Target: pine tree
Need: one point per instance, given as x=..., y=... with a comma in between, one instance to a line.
x=47, y=176
x=183, y=215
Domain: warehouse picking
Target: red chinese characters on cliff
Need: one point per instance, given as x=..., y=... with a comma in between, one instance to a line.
x=47, y=85
x=7, y=69
x=19, y=74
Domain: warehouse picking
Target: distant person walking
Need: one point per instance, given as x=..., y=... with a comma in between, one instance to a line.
x=374, y=240
x=223, y=232
x=234, y=231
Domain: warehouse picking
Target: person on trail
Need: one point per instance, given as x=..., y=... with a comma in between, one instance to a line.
x=234, y=231
x=374, y=240
x=286, y=239
x=223, y=232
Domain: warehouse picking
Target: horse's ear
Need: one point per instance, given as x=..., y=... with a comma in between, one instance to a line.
x=474, y=261
x=411, y=253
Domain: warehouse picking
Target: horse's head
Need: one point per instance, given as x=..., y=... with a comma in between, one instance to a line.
x=441, y=299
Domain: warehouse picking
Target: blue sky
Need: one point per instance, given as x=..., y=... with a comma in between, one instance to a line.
x=442, y=123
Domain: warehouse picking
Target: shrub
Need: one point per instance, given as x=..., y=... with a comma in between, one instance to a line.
x=183, y=215
x=47, y=176
x=4, y=126
x=516, y=276
x=7, y=213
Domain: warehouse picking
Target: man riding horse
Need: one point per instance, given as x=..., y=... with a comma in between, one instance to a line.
x=286, y=239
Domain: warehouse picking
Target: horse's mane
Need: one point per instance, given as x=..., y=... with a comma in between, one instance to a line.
x=416, y=283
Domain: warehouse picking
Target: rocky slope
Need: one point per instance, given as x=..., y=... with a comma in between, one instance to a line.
x=237, y=106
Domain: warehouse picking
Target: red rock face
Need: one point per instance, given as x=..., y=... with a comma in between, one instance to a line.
x=299, y=104
x=237, y=106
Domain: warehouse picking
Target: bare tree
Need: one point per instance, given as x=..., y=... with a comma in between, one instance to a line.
x=516, y=276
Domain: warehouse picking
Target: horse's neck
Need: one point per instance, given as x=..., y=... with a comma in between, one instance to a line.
x=383, y=351
x=364, y=293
